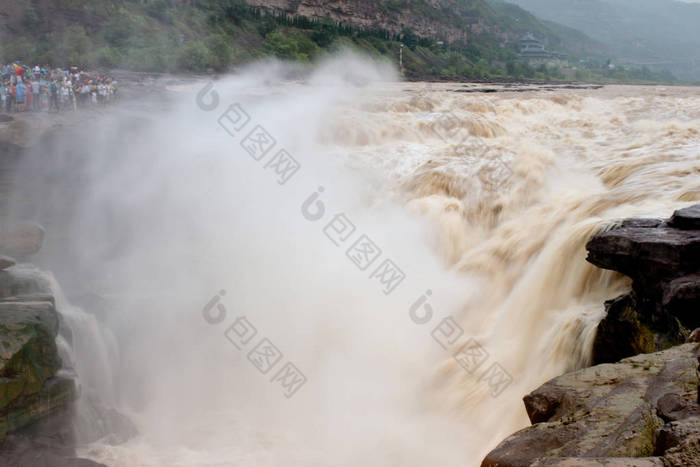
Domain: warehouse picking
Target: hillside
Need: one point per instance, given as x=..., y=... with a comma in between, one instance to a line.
x=445, y=39
x=446, y=20
x=655, y=33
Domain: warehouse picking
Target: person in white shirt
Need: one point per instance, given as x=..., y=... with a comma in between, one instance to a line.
x=36, y=101
x=65, y=95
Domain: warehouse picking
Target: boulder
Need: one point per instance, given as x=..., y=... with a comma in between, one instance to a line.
x=663, y=260
x=646, y=253
x=29, y=407
x=605, y=411
x=686, y=454
x=30, y=387
x=675, y=433
x=24, y=283
x=671, y=407
x=48, y=442
x=687, y=219
x=681, y=298
x=21, y=240
x=28, y=355
x=621, y=319
x=6, y=262
x=694, y=336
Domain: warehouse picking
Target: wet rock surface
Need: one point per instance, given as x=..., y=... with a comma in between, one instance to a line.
x=37, y=395
x=6, y=262
x=600, y=462
x=663, y=259
x=644, y=410
x=22, y=239
x=30, y=387
x=641, y=411
x=622, y=319
x=688, y=218
x=46, y=443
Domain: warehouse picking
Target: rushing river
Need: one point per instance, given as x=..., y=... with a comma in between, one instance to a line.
x=382, y=293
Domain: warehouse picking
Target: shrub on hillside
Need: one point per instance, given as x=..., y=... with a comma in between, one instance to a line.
x=75, y=46
x=159, y=9
x=281, y=46
x=107, y=57
x=193, y=56
x=118, y=30
x=220, y=51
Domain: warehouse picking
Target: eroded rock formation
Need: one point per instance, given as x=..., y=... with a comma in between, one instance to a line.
x=643, y=411
x=30, y=388
x=663, y=259
x=36, y=390
x=613, y=415
x=448, y=19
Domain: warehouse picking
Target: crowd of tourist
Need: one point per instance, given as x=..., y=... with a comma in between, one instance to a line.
x=24, y=88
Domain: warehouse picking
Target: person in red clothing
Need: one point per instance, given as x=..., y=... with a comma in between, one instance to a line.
x=30, y=98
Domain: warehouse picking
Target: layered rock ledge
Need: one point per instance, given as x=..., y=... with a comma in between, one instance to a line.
x=37, y=393
x=643, y=411
x=30, y=385
x=663, y=259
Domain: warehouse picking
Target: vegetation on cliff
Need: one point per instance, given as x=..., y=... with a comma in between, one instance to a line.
x=30, y=388
x=172, y=35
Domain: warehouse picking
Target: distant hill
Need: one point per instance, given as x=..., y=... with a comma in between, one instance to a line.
x=558, y=37
x=444, y=39
x=656, y=33
x=447, y=20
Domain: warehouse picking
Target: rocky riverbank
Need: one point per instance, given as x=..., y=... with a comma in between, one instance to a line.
x=37, y=390
x=663, y=259
x=644, y=410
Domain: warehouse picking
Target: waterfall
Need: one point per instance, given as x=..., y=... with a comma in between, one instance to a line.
x=343, y=271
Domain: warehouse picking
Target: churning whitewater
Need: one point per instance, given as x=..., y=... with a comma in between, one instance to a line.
x=207, y=244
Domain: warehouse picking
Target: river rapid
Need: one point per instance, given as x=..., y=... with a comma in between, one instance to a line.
x=348, y=270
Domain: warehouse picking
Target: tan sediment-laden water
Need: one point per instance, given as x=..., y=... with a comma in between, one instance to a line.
x=351, y=271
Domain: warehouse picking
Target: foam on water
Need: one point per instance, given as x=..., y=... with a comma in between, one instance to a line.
x=178, y=211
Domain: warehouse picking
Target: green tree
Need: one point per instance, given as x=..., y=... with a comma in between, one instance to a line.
x=582, y=75
x=30, y=19
x=281, y=46
x=409, y=38
x=159, y=9
x=481, y=69
x=75, y=45
x=17, y=50
x=107, y=57
x=193, y=56
x=306, y=48
x=118, y=30
x=220, y=51
x=324, y=36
